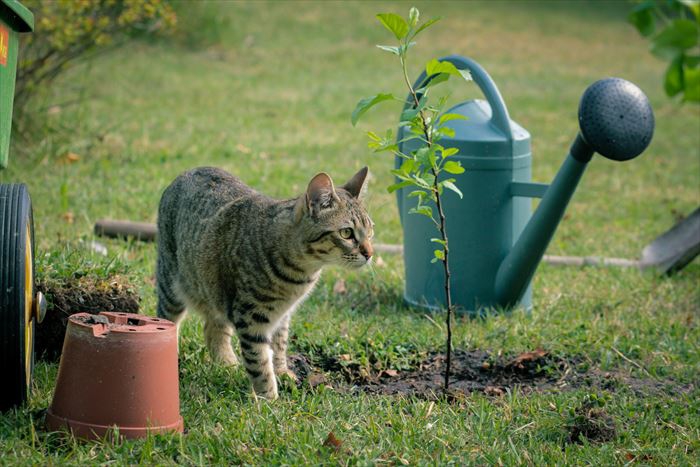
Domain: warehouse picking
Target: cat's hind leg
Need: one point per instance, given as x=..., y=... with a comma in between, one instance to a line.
x=217, y=334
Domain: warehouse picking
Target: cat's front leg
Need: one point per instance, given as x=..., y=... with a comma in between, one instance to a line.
x=279, y=349
x=257, y=359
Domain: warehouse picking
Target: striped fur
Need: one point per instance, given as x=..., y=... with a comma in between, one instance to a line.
x=246, y=261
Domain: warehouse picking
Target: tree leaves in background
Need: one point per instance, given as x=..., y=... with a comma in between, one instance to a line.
x=673, y=29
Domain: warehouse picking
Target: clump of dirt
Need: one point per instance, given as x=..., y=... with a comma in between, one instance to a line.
x=84, y=295
x=592, y=423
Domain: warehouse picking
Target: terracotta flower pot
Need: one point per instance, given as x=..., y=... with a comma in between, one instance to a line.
x=117, y=369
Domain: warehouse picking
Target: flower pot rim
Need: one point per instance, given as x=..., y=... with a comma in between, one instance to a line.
x=97, y=431
x=109, y=321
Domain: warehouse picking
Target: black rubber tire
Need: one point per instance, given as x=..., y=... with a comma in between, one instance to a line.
x=15, y=221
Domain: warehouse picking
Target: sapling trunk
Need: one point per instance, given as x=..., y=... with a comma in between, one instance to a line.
x=448, y=295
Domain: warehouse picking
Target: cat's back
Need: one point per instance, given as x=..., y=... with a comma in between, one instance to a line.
x=201, y=192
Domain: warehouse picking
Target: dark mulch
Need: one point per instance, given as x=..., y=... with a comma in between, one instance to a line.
x=83, y=295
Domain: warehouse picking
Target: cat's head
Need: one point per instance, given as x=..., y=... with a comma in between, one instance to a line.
x=334, y=223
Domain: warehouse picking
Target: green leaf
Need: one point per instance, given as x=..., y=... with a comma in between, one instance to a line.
x=367, y=103
x=394, y=23
x=453, y=167
x=642, y=18
x=413, y=16
x=444, y=118
x=407, y=166
x=425, y=25
x=435, y=67
x=438, y=240
x=422, y=155
x=439, y=254
x=449, y=152
x=694, y=6
x=410, y=113
x=434, y=80
x=426, y=211
x=421, y=182
x=432, y=158
x=419, y=193
x=389, y=48
x=398, y=186
x=447, y=131
x=673, y=81
x=451, y=186
x=373, y=136
x=691, y=82
x=679, y=35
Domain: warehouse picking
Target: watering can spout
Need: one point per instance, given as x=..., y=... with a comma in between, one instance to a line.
x=616, y=121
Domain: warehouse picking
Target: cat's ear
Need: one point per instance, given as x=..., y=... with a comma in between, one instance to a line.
x=320, y=194
x=357, y=185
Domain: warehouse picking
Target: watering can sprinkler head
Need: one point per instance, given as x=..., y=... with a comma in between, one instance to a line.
x=615, y=119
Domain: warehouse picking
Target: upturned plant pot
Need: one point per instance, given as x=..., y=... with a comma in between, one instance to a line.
x=117, y=370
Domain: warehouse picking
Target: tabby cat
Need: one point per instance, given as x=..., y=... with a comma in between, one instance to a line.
x=246, y=261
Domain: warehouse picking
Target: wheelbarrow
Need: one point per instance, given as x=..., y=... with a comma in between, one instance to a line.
x=21, y=306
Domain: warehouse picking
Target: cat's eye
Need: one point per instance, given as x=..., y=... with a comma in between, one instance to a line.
x=345, y=233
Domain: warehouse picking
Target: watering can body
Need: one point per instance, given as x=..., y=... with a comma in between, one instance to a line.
x=495, y=240
x=483, y=226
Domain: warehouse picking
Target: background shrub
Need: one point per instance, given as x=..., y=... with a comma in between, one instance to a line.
x=68, y=30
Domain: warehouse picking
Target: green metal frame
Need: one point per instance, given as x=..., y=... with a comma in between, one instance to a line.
x=14, y=19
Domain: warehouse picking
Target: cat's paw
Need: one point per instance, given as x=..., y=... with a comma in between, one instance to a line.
x=226, y=359
x=269, y=395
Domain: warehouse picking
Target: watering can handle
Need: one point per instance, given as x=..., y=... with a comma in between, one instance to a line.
x=499, y=112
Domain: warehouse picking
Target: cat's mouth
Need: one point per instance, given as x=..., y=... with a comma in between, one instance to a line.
x=355, y=261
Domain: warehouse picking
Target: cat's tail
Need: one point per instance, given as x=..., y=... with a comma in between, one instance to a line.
x=169, y=307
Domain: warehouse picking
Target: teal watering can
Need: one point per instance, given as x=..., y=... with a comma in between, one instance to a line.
x=496, y=242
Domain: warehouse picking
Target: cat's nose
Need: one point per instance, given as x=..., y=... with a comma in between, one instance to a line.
x=366, y=250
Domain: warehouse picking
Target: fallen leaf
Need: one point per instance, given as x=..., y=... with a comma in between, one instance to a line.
x=70, y=157
x=344, y=357
x=389, y=373
x=493, y=391
x=54, y=110
x=379, y=262
x=243, y=149
x=527, y=357
x=69, y=217
x=317, y=379
x=339, y=287
x=332, y=442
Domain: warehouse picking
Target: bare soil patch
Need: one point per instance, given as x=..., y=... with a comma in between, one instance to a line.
x=83, y=295
x=479, y=371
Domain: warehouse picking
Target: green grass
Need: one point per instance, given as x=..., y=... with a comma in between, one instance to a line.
x=265, y=90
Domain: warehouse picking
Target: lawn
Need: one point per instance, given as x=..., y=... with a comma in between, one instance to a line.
x=265, y=90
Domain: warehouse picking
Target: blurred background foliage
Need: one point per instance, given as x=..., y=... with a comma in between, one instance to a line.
x=673, y=30
x=67, y=31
